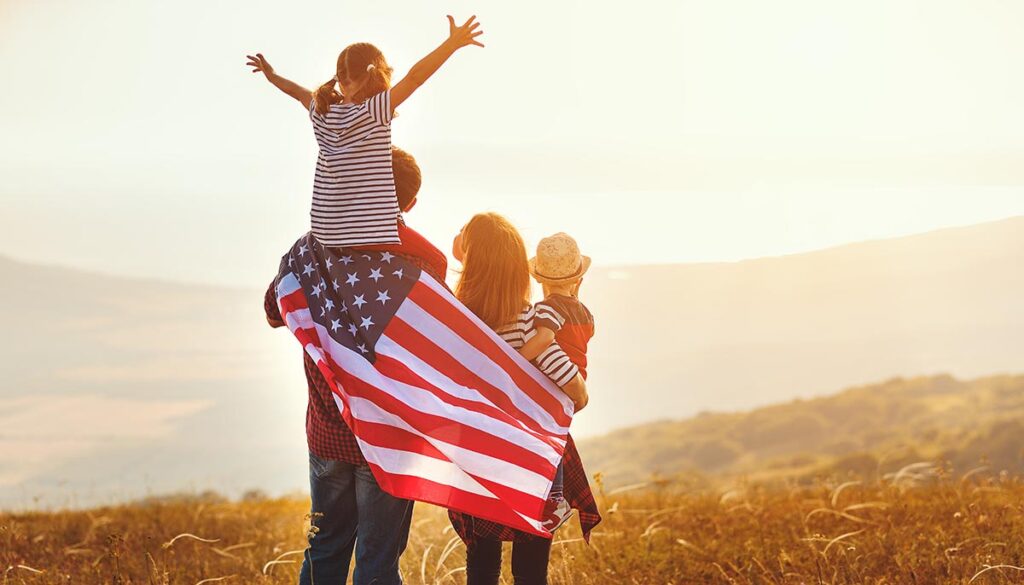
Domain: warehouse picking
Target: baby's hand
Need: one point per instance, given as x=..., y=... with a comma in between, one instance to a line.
x=260, y=65
x=465, y=35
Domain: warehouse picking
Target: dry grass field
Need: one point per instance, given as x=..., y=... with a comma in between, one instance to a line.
x=915, y=527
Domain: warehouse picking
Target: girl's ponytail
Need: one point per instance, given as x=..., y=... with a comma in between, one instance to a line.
x=325, y=96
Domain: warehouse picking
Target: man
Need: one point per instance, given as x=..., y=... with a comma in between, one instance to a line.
x=350, y=512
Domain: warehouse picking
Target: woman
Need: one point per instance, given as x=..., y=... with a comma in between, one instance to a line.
x=495, y=285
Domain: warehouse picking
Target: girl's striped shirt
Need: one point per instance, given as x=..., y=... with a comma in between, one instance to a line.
x=354, y=201
x=553, y=362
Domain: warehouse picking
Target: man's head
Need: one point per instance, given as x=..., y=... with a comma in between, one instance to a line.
x=407, y=178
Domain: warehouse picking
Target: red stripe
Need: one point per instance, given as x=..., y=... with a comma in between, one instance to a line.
x=448, y=430
x=414, y=342
x=459, y=323
x=416, y=488
x=294, y=301
x=389, y=437
x=418, y=344
x=535, y=462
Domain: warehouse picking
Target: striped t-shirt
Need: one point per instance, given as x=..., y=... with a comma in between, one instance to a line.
x=553, y=362
x=354, y=201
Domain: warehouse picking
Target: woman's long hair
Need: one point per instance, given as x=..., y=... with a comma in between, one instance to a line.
x=495, y=280
x=357, y=62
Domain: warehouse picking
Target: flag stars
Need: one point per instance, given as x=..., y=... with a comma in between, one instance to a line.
x=359, y=301
x=386, y=257
x=329, y=304
x=362, y=348
x=335, y=324
x=399, y=273
x=366, y=323
x=352, y=329
x=346, y=260
x=352, y=279
x=303, y=250
x=335, y=284
x=382, y=296
x=328, y=262
x=317, y=292
x=308, y=270
x=376, y=275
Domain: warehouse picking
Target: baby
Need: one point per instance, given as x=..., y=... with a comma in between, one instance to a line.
x=560, y=317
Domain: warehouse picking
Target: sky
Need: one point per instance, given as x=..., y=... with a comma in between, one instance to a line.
x=134, y=141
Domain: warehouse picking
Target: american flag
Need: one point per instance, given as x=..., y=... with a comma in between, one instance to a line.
x=445, y=412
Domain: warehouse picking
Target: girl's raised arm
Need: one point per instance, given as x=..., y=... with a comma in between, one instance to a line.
x=260, y=65
x=458, y=37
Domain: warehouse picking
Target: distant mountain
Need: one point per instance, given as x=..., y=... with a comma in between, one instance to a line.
x=866, y=430
x=114, y=387
x=676, y=340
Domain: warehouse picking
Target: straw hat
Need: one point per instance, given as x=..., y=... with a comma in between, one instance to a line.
x=558, y=260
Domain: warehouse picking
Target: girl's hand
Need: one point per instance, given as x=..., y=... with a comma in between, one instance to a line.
x=260, y=65
x=465, y=35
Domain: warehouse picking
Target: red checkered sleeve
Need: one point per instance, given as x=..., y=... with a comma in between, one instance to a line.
x=327, y=434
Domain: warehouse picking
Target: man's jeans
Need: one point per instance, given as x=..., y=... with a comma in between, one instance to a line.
x=356, y=514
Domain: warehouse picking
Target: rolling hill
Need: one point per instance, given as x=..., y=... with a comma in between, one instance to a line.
x=114, y=387
x=865, y=431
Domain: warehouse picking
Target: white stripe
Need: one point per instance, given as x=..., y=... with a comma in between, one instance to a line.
x=288, y=285
x=519, y=360
x=516, y=434
x=479, y=464
x=481, y=365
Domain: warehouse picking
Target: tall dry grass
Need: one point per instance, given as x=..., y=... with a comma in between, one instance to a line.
x=915, y=527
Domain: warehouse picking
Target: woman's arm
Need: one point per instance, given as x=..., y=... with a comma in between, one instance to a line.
x=537, y=343
x=576, y=389
x=260, y=65
x=458, y=37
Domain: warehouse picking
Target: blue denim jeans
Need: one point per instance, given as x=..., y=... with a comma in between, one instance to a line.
x=356, y=515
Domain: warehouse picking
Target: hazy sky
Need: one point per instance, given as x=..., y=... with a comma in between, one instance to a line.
x=133, y=140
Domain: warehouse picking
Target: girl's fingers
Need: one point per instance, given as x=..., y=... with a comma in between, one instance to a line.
x=477, y=43
x=476, y=34
x=451, y=23
x=471, y=19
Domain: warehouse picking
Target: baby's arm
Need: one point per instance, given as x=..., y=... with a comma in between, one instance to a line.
x=458, y=37
x=260, y=65
x=537, y=343
x=576, y=390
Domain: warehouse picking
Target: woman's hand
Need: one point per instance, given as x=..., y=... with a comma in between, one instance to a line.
x=260, y=65
x=465, y=35
x=576, y=390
